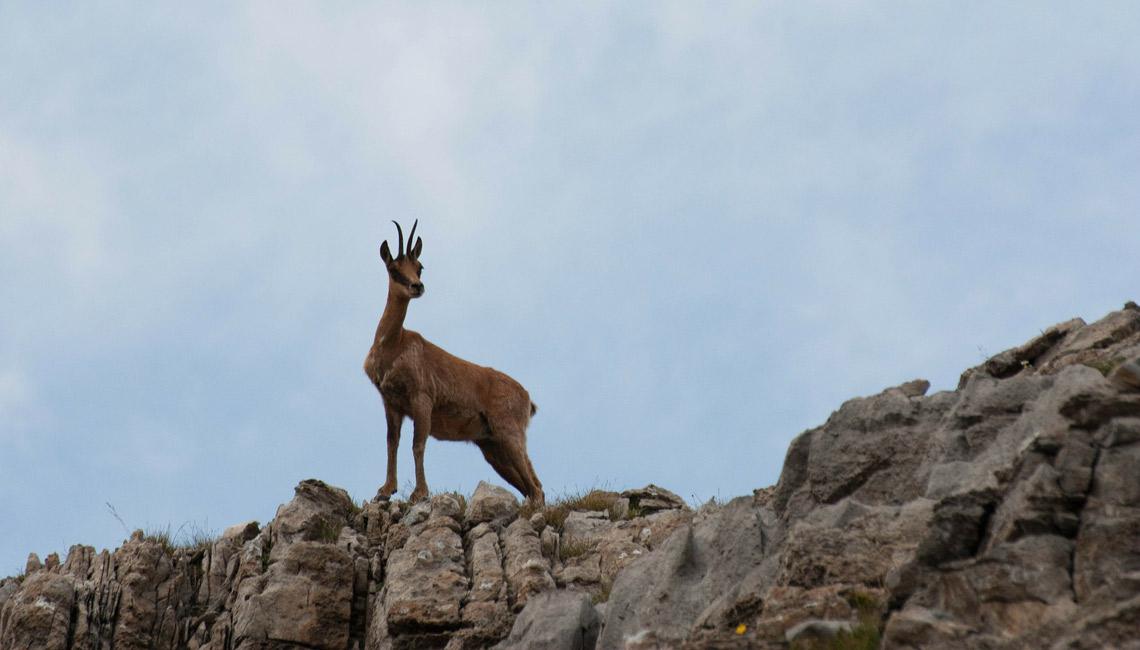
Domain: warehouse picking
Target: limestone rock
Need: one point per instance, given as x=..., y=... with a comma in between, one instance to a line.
x=1127, y=375
x=305, y=598
x=426, y=578
x=816, y=629
x=668, y=590
x=559, y=620
x=38, y=615
x=1002, y=514
x=853, y=543
x=585, y=527
x=491, y=503
x=652, y=498
x=317, y=513
x=527, y=570
x=914, y=387
x=485, y=609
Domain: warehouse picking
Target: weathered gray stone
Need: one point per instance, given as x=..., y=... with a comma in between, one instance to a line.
x=143, y=568
x=585, y=527
x=426, y=581
x=491, y=503
x=527, y=570
x=1107, y=556
x=668, y=590
x=304, y=598
x=38, y=615
x=487, y=579
x=1114, y=626
x=557, y=620
x=852, y=543
x=914, y=387
x=1025, y=358
x=652, y=498
x=817, y=629
x=317, y=512
x=1126, y=376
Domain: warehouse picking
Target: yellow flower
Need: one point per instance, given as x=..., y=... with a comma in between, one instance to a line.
x=741, y=629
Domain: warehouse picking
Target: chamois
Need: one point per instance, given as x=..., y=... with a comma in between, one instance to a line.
x=445, y=396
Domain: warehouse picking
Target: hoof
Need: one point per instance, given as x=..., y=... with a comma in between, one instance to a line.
x=385, y=492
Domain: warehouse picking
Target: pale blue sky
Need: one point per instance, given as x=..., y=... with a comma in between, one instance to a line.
x=690, y=230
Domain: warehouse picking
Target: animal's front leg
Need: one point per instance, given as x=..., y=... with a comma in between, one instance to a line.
x=395, y=420
x=421, y=418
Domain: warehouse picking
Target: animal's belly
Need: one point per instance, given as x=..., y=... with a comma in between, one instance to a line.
x=456, y=426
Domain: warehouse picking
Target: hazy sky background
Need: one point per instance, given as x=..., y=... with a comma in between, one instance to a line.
x=691, y=230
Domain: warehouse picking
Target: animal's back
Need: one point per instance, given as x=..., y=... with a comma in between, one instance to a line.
x=499, y=394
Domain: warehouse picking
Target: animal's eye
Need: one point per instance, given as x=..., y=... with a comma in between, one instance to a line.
x=421, y=271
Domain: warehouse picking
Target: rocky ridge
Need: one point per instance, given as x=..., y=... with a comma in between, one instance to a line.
x=1003, y=514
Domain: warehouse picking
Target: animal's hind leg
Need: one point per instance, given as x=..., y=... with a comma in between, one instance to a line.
x=495, y=454
x=520, y=461
x=539, y=497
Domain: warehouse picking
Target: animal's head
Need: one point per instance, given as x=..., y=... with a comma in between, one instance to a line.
x=404, y=269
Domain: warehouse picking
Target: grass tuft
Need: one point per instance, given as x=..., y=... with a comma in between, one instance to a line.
x=190, y=536
x=1105, y=365
x=864, y=603
x=161, y=536
x=459, y=497
x=867, y=635
x=326, y=531
x=573, y=548
x=556, y=510
x=603, y=595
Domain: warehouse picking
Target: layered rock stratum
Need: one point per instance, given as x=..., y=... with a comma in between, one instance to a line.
x=1002, y=514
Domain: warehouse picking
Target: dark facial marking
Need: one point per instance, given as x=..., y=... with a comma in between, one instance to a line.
x=400, y=277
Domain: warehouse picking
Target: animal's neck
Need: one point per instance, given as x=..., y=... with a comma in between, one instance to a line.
x=392, y=322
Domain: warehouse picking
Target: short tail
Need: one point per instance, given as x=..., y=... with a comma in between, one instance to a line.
x=533, y=409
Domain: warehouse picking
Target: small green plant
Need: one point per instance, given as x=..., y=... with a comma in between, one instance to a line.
x=865, y=636
x=864, y=603
x=356, y=508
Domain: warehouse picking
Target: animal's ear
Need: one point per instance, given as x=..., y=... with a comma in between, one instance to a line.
x=385, y=254
x=418, y=247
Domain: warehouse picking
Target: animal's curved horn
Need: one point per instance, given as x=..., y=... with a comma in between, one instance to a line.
x=412, y=237
x=401, y=233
